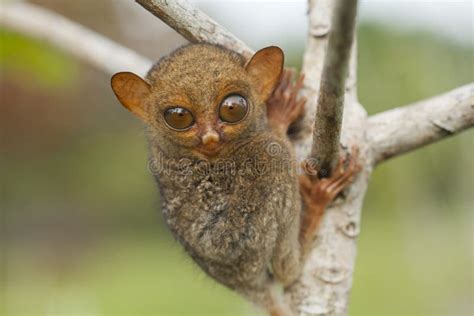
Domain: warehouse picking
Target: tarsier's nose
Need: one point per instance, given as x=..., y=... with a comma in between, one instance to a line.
x=210, y=142
x=210, y=137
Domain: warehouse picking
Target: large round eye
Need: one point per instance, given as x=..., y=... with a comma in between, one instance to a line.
x=233, y=109
x=179, y=118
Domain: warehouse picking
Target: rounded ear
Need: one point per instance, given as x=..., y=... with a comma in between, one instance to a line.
x=265, y=67
x=131, y=91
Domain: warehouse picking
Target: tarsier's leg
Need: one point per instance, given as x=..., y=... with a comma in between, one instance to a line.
x=284, y=106
x=318, y=193
x=286, y=262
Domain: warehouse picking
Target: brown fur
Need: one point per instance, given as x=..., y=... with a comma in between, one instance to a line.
x=235, y=226
x=238, y=212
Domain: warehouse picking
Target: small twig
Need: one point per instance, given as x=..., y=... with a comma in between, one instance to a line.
x=71, y=37
x=328, y=120
x=400, y=130
x=193, y=24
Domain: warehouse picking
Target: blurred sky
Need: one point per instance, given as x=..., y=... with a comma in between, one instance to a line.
x=452, y=19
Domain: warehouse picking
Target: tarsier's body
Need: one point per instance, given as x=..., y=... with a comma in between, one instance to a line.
x=227, y=174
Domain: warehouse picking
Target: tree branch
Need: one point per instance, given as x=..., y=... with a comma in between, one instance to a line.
x=71, y=37
x=324, y=286
x=400, y=130
x=319, y=22
x=194, y=25
x=329, y=110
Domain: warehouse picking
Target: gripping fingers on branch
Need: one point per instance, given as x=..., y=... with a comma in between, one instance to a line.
x=318, y=193
x=343, y=176
x=284, y=107
x=323, y=191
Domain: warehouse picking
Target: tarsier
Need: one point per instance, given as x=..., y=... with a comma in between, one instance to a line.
x=207, y=110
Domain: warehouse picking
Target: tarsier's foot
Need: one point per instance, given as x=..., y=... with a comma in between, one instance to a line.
x=318, y=193
x=284, y=106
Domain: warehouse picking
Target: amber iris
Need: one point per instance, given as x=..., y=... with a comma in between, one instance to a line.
x=179, y=118
x=233, y=109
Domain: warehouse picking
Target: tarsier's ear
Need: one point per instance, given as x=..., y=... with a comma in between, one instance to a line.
x=131, y=90
x=266, y=67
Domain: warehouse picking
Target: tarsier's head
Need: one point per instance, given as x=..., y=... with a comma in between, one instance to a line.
x=202, y=98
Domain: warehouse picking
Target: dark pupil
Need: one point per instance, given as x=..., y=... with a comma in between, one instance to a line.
x=179, y=118
x=233, y=109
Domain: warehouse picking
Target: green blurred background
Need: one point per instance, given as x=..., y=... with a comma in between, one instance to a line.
x=81, y=232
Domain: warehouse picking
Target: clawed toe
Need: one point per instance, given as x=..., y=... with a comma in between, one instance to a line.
x=318, y=193
x=324, y=190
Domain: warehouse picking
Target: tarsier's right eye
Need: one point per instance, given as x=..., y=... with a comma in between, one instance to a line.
x=179, y=118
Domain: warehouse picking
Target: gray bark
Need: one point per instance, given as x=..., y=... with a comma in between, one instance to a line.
x=193, y=24
x=403, y=129
x=330, y=105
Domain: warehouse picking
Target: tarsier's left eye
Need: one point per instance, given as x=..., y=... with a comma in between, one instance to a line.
x=233, y=109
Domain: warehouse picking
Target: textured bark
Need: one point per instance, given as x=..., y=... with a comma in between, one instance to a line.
x=71, y=37
x=193, y=24
x=319, y=22
x=400, y=130
x=328, y=119
x=324, y=286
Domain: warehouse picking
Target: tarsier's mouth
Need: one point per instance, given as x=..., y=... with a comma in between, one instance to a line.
x=210, y=149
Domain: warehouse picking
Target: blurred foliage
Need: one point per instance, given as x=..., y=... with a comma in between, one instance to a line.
x=48, y=67
x=83, y=234
x=398, y=68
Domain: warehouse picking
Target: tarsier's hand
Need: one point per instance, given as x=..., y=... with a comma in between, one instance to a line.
x=318, y=193
x=284, y=106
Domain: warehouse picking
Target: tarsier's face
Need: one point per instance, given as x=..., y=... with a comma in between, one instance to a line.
x=202, y=99
x=206, y=129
